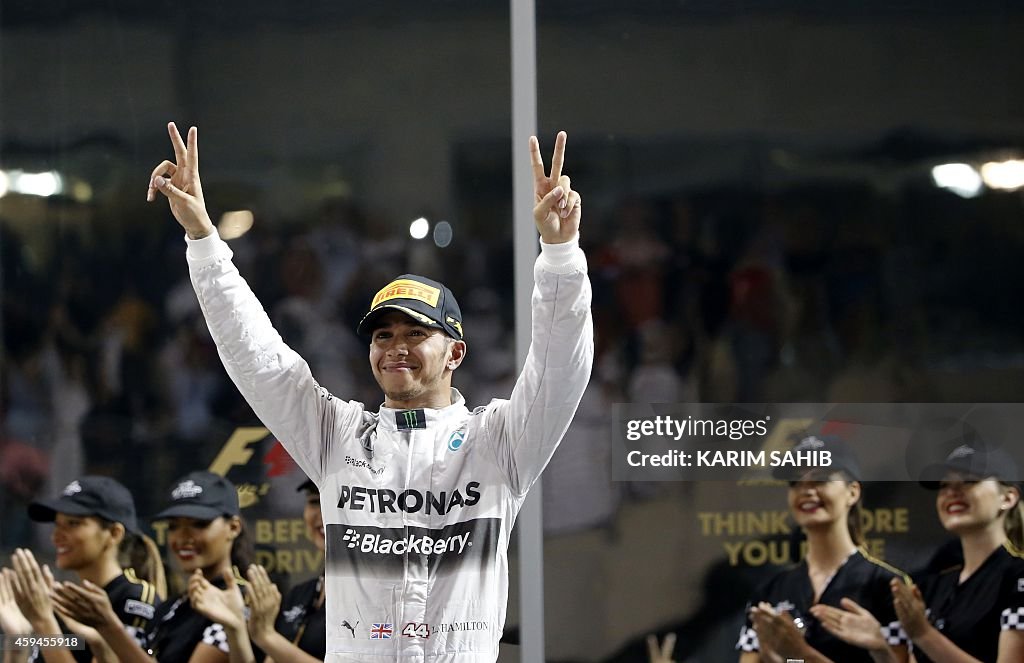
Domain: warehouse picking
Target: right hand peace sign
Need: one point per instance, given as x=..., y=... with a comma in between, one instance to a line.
x=179, y=182
x=660, y=653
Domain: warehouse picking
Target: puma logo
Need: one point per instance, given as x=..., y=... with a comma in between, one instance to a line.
x=350, y=627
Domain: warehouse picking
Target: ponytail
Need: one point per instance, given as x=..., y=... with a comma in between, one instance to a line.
x=855, y=523
x=855, y=517
x=242, y=548
x=139, y=552
x=1013, y=522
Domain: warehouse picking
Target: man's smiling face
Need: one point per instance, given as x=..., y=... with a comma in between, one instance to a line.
x=412, y=362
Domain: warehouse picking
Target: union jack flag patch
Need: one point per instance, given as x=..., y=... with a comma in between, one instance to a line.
x=381, y=631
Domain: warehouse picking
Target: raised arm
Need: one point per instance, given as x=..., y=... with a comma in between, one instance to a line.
x=274, y=379
x=660, y=653
x=531, y=424
x=556, y=207
x=179, y=182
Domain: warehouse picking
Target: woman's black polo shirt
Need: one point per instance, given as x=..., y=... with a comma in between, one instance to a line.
x=301, y=622
x=177, y=630
x=861, y=578
x=972, y=614
x=134, y=601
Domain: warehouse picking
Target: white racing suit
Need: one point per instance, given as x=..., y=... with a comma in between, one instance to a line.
x=418, y=505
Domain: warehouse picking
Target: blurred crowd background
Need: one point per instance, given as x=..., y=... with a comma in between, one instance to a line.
x=783, y=201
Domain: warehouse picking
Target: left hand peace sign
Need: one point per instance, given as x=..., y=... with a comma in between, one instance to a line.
x=556, y=208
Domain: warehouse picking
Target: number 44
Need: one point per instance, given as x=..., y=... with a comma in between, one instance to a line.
x=414, y=630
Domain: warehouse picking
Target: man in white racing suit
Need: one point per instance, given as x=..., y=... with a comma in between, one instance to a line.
x=418, y=498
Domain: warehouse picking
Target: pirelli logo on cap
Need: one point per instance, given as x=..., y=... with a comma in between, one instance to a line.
x=407, y=289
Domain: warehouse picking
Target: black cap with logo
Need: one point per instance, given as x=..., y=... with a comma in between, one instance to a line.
x=308, y=485
x=102, y=497
x=972, y=461
x=841, y=459
x=202, y=495
x=427, y=301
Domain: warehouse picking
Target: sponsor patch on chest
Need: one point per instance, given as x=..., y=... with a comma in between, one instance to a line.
x=294, y=613
x=410, y=419
x=384, y=500
x=139, y=609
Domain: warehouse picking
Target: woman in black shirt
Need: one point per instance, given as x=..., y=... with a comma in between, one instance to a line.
x=96, y=535
x=972, y=610
x=781, y=623
x=299, y=634
x=206, y=535
x=975, y=609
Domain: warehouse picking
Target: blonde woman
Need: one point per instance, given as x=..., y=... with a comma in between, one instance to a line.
x=972, y=611
x=976, y=610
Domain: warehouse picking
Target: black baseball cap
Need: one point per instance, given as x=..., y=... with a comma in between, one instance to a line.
x=202, y=495
x=426, y=301
x=309, y=485
x=974, y=460
x=102, y=497
x=842, y=459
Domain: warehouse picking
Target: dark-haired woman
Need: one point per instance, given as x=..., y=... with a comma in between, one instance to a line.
x=825, y=503
x=294, y=631
x=206, y=536
x=97, y=537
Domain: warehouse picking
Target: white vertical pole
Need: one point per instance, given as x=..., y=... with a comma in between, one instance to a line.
x=524, y=125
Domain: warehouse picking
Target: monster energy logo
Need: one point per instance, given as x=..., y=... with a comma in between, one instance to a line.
x=410, y=419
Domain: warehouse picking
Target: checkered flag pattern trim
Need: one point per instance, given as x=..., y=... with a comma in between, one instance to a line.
x=748, y=640
x=214, y=635
x=1012, y=619
x=895, y=635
